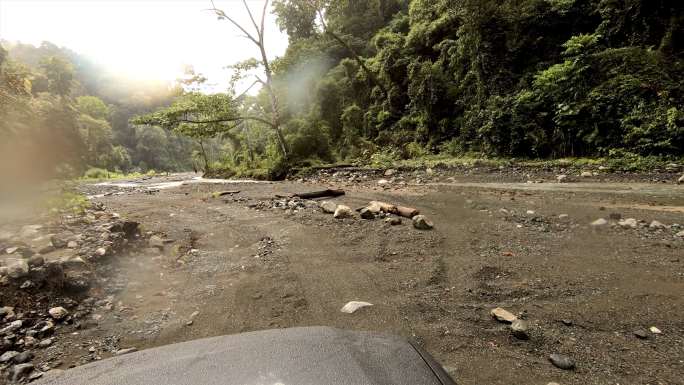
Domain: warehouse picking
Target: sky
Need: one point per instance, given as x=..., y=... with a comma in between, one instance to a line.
x=143, y=39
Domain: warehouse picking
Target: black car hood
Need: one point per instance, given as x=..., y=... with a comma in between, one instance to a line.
x=299, y=356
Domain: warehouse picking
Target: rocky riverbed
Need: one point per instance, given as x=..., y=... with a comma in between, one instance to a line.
x=519, y=278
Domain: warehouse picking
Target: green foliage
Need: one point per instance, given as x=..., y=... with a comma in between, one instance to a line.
x=68, y=202
x=530, y=78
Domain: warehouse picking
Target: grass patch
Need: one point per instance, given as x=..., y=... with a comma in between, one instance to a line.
x=68, y=202
x=98, y=174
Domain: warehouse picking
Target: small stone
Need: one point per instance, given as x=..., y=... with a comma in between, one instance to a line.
x=641, y=334
x=58, y=313
x=121, y=352
x=562, y=361
x=390, y=172
x=561, y=178
x=13, y=326
x=101, y=251
x=421, y=222
x=680, y=180
x=530, y=212
x=655, y=225
x=18, y=269
x=599, y=222
x=36, y=261
x=46, y=250
x=156, y=241
x=23, y=357
x=367, y=214
x=553, y=383
x=353, y=306
x=563, y=216
x=57, y=242
x=8, y=356
x=45, y=343
x=17, y=372
x=519, y=329
x=393, y=221
x=586, y=174
x=343, y=211
x=328, y=207
x=503, y=315
x=629, y=223
x=383, y=182
x=72, y=244
x=655, y=330
x=680, y=234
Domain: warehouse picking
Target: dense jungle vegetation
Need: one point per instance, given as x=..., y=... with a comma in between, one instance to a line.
x=374, y=81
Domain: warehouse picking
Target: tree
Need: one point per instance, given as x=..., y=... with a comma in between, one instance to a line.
x=259, y=41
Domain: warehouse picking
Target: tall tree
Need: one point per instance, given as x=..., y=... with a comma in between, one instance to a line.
x=259, y=41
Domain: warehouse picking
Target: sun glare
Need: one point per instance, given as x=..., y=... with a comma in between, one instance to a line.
x=140, y=39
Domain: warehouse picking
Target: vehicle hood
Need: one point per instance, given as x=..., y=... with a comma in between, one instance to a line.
x=299, y=356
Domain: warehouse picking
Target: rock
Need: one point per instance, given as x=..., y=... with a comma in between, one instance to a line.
x=421, y=222
x=503, y=315
x=383, y=182
x=641, y=334
x=655, y=225
x=680, y=234
x=47, y=250
x=36, y=261
x=77, y=282
x=57, y=242
x=599, y=222
x=343, y=211
x=655, y=330
x=353, y=306
x=18, y=269
x=629, y=223
x=72, y=244
x=121, y=352
x=563, y=216
x=45, y=343
x=58, y=313
x=562, y=178
x=530, y=212
x=8, y=356
x=680, y=180
x=562, y=361
x=390, y=172
x=156, y=241
x=73, y=263
x=553, y=383
x=328, y=207
x=17, y=372
x=23, y=357
x=519, y=329
x=367, y=214
x=101, y=252
x=393, y=221
x=586, y=174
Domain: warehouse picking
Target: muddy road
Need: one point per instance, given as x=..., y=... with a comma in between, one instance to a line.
x=223, y=265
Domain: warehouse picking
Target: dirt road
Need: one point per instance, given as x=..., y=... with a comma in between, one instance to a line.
x=236, y=264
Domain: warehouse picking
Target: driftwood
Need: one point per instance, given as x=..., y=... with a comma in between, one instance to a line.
x=376, y=207
x=224, y=193
x=315, y=194
x=407, y=212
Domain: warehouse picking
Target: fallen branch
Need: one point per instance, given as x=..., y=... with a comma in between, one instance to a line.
x=315, y=194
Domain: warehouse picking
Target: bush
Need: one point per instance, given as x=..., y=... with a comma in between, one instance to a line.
x=96, y=173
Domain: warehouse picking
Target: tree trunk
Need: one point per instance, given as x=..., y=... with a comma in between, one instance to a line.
x=204, y=156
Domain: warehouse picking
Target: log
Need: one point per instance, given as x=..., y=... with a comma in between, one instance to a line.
x=319, y=194
x=224, y=193
x=407, y=212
